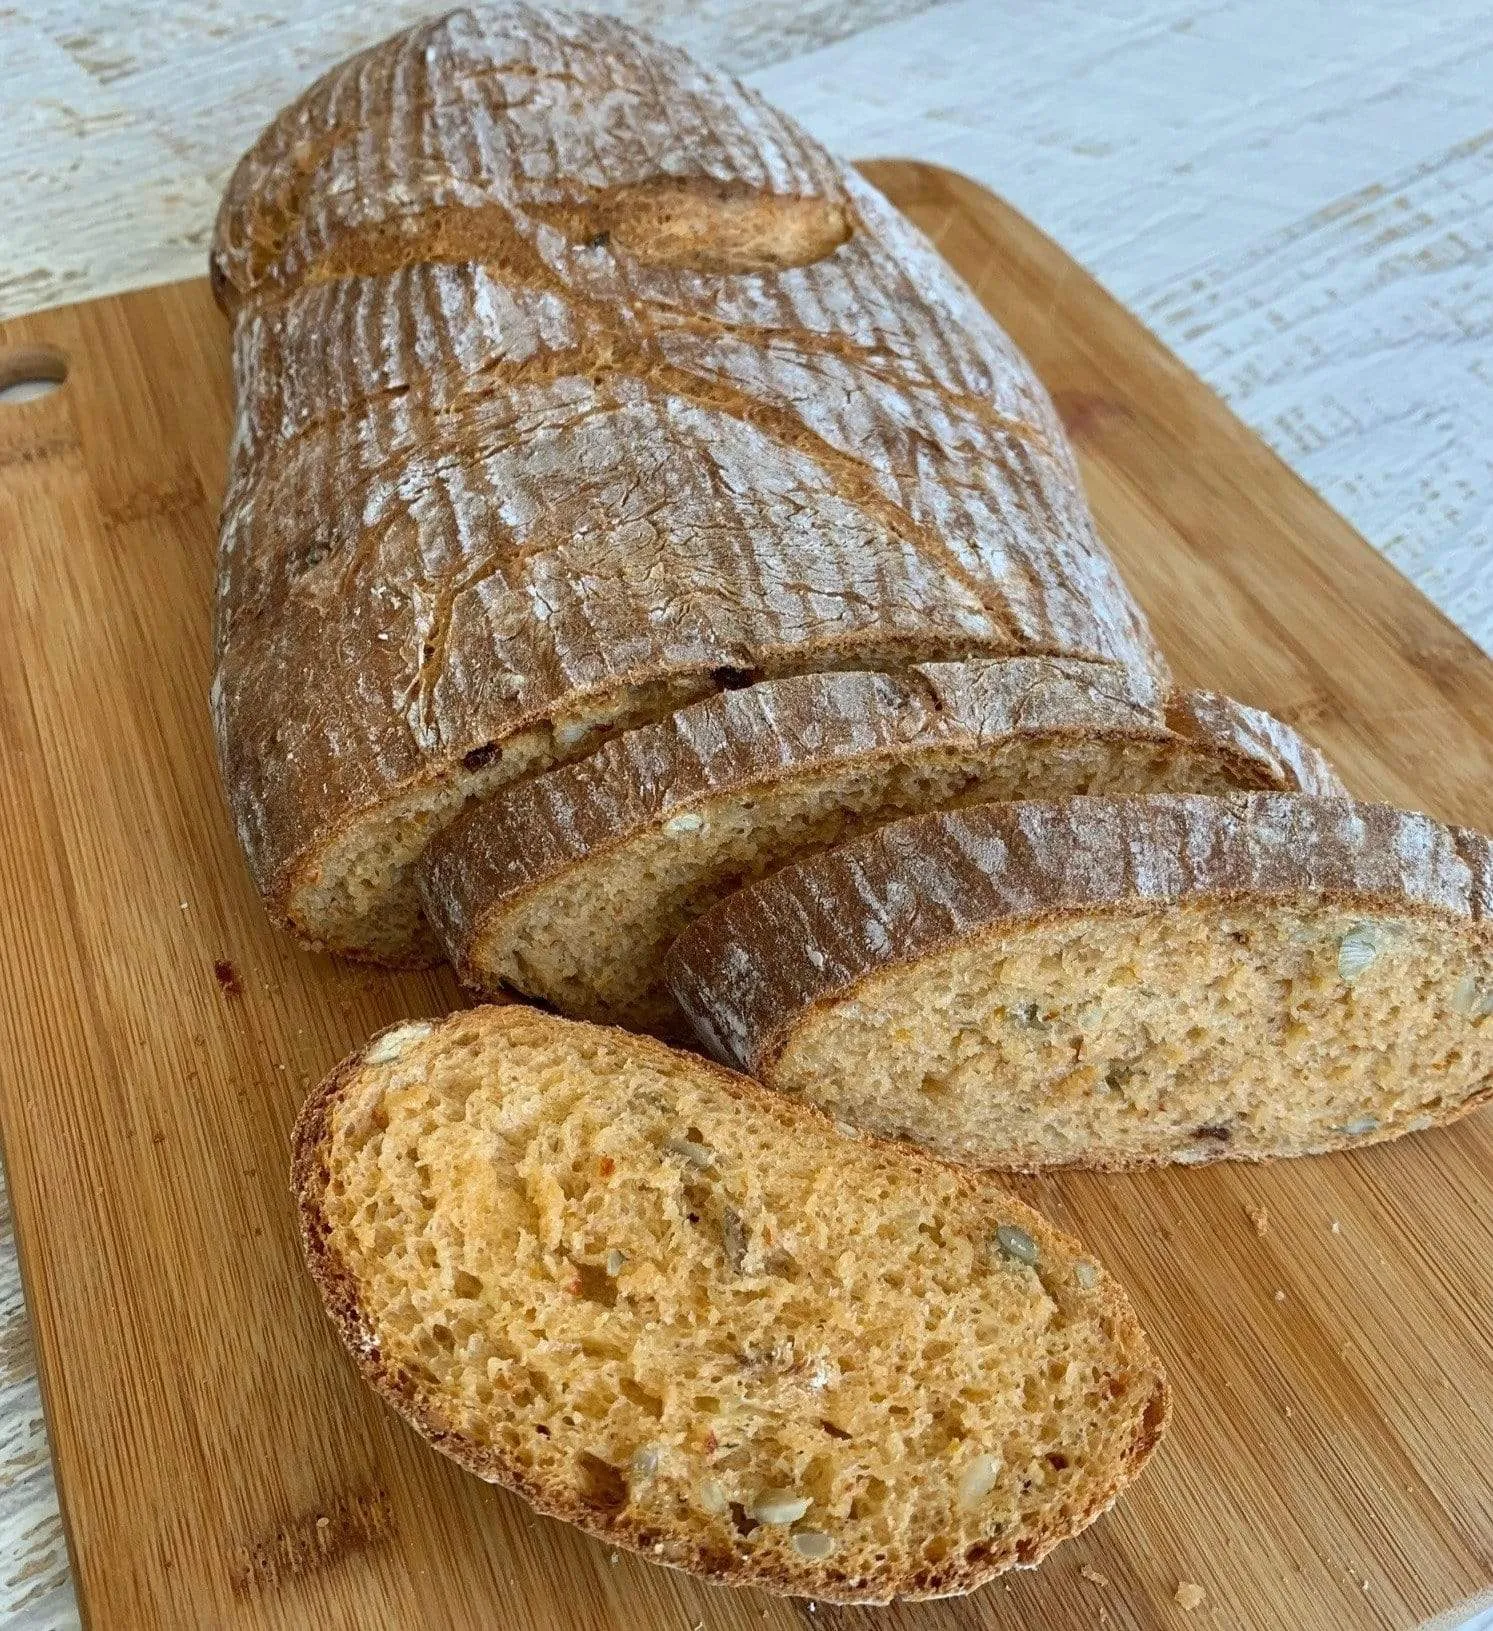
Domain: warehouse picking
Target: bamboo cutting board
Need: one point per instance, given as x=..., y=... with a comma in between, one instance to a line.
x=1326, y=1323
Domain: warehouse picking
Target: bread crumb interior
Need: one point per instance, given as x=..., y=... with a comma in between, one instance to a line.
x=1201, y=1032
x=591, y=941
x=640, y=1294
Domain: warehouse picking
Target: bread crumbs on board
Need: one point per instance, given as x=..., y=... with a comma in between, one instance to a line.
x=1092, y=1575
x=1261, y=1219
x=1189, y=1595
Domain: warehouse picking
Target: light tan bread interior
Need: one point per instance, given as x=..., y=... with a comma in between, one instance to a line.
x=697, y=1320
x=358, y=894
x=591, y=940
x=1205, y=1031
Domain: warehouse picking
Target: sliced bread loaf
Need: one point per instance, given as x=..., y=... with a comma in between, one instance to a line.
x=1115, y=982
x=571, y=377
x=694, y=1318
x=570, y=887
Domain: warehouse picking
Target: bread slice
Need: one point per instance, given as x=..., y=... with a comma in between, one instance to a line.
x=694, y=1318
x=1116, y=982
x=570, y=887
x=571, y=381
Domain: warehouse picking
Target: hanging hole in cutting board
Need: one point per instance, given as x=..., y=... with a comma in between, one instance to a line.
x=30, y=371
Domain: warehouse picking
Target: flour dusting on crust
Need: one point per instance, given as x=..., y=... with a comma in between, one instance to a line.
x=566, y=368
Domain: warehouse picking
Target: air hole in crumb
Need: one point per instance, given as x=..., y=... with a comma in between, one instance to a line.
x=742, y=1519
x=1057, y=1461
x=1220, y=1133
x=597, y=1285
x=466, y=1285
x=831, y=1429
x=602, y=1485
x=479, y=757
x=870, y=1500
x=641, y=1397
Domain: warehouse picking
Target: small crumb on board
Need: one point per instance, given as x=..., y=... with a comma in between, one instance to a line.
x=1093, y=1576
x=227, y=977
x=1261, y=1220
x=1189, y=1595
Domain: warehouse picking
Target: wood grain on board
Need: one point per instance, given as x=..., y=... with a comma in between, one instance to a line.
x=1332, y=1460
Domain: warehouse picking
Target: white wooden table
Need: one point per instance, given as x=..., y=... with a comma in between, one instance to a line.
x=1297, y=197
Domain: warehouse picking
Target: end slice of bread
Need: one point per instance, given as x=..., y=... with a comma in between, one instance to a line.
x=699, y=1321
x=571, y=886
x=1116, y=982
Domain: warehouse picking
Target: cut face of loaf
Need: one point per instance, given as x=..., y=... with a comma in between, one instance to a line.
x=570, y=887
x=693, y=1318
x=1116, y=982
x=574, y=384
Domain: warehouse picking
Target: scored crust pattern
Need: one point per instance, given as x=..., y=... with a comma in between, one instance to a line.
x=751, y=969
x=565, y=366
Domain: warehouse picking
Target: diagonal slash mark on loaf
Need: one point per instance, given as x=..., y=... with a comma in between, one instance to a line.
x=490, y=232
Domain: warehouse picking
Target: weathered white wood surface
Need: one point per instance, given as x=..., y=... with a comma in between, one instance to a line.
x=1298, y=198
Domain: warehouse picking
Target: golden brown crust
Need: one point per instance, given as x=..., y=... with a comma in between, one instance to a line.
x=751, y=971
x=507, y=450
x=783, y=733
x=1265, y=753
x=338, y=1288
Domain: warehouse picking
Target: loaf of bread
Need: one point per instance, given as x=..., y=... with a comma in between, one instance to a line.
x=1115, y=982
x=574, y=384
x=694, y=1318
x=570, y=886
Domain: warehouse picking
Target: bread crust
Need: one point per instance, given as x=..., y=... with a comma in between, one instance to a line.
x=339, y=1293
x=752, y=970
x=515, y=449
x=771, y=735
